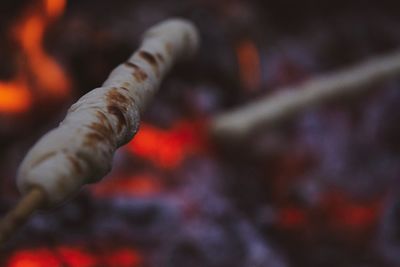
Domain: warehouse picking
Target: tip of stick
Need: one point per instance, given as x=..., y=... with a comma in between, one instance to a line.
x=17, y=217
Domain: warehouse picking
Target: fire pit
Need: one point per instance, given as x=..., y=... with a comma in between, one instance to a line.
x=317, y=189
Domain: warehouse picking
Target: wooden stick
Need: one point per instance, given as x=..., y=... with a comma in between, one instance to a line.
x=289, y=102
x=20, y=214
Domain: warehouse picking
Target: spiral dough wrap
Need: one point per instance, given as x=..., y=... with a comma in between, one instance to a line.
x=81, y=149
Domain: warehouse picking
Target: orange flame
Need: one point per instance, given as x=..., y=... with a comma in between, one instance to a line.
x=167, y=148
x=54, y=8
x=74, y=257
x=36, y=69
x=14, y=97
x=249, y=65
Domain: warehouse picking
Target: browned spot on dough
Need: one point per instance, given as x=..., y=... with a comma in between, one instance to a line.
x=138, y=73
x=116, y=97
x=130, y=64
x=104, y=121
x=114, y=110
x=160, y=57
x=117, y=106
x=75, y=163
x=100, y=133
x=148, y=57
x=101, y=129
x=43, y=158
x=151, y=60
x=100, y=115
x=95, y=137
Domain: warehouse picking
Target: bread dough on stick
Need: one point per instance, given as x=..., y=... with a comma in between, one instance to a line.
x=81, y=149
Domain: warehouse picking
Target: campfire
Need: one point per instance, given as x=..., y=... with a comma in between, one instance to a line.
x=276, y=144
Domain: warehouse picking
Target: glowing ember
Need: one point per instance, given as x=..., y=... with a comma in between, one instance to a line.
x=345, y=213
x=249, y=65
x=138, y=185
x=34, y=258
x=36, y=69
x=123, y=258
x=74, y=257
x=166, y=148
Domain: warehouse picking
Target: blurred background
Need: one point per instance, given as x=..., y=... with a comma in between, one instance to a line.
x=320, y=190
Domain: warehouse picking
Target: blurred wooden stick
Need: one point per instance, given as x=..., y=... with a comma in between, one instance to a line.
x=288, y=102
x=20, y=214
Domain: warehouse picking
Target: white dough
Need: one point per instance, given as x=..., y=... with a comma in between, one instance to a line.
x=81, y=149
